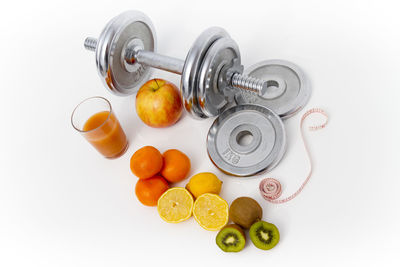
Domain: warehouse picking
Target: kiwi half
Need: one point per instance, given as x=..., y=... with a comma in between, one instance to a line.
x=245, y=211
x=231, y=238
x=264, y=235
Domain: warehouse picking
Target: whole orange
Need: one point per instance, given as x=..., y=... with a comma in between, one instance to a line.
x=176, y=166
x=148, y=191
x=146, y=162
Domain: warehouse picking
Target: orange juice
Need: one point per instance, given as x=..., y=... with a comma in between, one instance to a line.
x=105, y=133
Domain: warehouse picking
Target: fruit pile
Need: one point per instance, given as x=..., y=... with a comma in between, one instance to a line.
x=246, y=213
x=158, y=104
x=155, y=171
x=200, y=198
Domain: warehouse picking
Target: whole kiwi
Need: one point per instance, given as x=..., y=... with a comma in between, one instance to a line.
x=245, y=211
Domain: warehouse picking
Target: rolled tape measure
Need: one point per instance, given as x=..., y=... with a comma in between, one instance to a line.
x=270, y=188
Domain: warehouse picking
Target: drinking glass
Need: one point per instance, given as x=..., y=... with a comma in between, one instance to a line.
x=95, y=120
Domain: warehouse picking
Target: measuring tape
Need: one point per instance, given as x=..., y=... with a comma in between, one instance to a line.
x=270, y=188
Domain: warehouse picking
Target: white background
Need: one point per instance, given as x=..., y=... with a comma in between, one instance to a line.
x=62, y=204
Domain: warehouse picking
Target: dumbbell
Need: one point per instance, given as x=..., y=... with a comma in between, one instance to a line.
x=211, y=72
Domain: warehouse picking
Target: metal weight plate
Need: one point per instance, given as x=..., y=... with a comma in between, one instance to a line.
x=246, y=140
x=288, y=88
x=221, y=55
x=128, y=27
x=194, y=58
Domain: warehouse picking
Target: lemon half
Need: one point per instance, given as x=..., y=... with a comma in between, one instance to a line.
x=211, y=211
x=175, y=205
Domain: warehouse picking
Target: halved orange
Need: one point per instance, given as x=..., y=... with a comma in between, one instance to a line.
x=211, y=211
x=175, y=205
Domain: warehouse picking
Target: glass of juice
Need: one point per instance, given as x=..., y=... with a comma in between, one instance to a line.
x=95, y=120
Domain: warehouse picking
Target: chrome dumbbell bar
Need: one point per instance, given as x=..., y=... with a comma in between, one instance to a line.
x=135, y=53
x=126, y=50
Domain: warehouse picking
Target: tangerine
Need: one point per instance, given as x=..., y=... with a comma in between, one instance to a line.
x=148, y=191
x=146, y=162
x=176, y=166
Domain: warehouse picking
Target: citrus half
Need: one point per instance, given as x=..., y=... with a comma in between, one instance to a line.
x=175, y=205
x=211, y=211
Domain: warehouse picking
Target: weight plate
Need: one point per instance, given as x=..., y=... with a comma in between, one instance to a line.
x=288, y=87
x=221, y=55
x=194, y=58
x=246, y=140
x=128, y=27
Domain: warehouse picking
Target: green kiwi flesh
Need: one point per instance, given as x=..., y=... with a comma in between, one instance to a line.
x=231, y=238
x=264, y=235
x=245, y=211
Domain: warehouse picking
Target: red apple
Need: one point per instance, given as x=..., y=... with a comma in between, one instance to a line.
x=158, y=103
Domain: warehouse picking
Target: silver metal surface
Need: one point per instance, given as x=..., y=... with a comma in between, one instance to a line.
x=128, y=53
x=160, y=61
x=246, y=140
x=288, y=89
x=250, y=84
x=133, y=52
x=194, y=59
x=90, y=43
x=211, y=74
x=221, y=55
x=112, y=44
